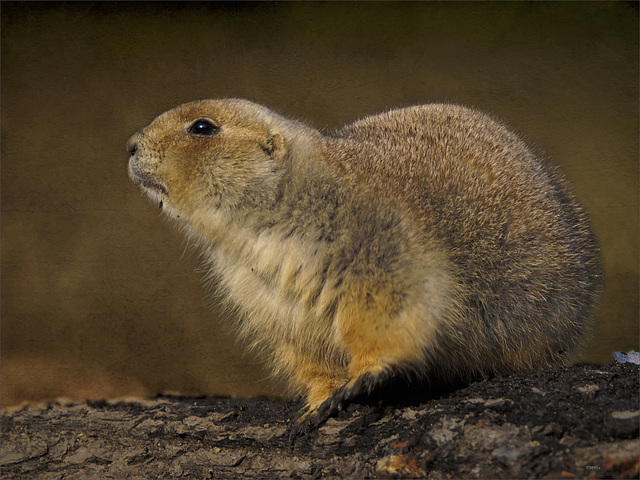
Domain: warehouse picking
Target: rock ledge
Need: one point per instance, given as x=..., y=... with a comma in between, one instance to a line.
x=574, y=422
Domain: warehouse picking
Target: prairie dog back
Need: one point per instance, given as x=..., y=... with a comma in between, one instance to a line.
x=425, y=240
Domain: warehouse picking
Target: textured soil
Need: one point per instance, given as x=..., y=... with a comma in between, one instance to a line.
x=574, y=422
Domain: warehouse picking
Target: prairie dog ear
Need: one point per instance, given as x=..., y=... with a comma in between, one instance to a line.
x=276, y=147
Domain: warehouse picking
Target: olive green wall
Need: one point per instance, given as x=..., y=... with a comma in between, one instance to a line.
x=100, y=295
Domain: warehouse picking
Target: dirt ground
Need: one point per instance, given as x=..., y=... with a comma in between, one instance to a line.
x=567, y=422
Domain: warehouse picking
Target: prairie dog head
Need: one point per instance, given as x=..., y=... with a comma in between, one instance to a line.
x=211, y=155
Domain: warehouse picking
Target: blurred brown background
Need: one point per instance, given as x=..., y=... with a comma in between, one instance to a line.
x=100, y=295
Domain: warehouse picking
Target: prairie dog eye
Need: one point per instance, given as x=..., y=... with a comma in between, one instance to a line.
x=203, y=128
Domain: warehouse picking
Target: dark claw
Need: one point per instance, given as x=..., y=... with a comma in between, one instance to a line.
x=306, y=426
x=333, y=405
x=329, y=408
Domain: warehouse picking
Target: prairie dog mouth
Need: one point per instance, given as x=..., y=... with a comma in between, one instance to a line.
x=145, y=179
x=151, y=184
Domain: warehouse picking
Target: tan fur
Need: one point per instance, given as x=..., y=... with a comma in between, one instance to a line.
x=428, y=239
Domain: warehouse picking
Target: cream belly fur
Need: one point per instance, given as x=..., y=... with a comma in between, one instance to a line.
x=429, y=240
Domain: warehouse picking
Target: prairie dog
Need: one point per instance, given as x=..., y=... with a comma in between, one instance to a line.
x=428, y=240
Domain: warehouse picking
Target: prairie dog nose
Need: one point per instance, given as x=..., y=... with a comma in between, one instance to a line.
x=132, y=144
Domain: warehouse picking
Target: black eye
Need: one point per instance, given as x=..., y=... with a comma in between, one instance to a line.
x=203, y=128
